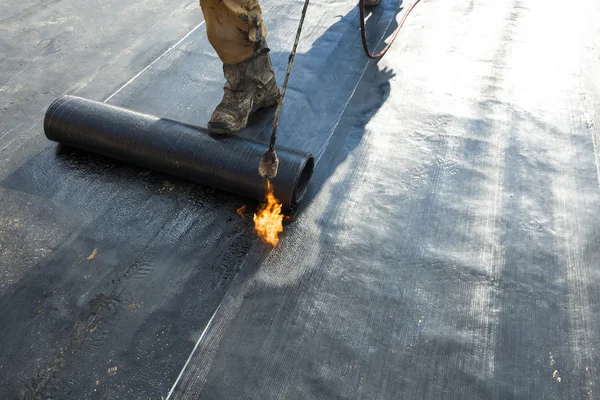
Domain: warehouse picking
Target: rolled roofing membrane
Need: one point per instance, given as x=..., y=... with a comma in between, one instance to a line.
x=228, y=163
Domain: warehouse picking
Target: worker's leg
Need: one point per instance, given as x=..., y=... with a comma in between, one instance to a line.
x=235, y=28
x=236, y=31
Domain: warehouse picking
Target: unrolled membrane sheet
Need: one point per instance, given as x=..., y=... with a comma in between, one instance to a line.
x=447, y=247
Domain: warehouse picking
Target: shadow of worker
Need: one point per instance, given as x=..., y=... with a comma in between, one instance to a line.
x=333, y=92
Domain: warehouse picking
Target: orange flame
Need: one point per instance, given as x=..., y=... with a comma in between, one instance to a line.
x=268, y=219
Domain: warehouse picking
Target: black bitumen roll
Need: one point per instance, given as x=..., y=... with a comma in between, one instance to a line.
x=228, y=163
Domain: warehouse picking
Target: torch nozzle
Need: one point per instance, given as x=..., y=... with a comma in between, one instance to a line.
x=267, y=167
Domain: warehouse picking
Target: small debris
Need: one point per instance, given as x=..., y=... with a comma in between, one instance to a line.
x=589, y=123
x=555, y=376
x=240, y=212
x=97, y=382
x=133, y=307
x=167, y=185
x=94, y=254
x=112, y=371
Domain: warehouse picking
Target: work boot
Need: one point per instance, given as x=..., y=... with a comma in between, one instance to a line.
x=372, y=3
x=250, y=85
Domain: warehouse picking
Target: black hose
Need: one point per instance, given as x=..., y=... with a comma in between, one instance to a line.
x=287, y=78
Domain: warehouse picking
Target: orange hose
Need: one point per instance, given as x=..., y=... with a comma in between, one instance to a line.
x=363, y=30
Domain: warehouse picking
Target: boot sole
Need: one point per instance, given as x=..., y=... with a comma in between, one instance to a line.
x=222, y=129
